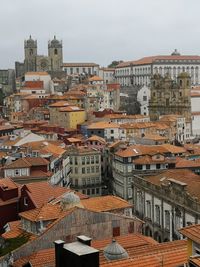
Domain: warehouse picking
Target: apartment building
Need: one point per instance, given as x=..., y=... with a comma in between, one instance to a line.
x=85, y=165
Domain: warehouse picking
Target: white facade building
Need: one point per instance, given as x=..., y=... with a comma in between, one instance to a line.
x=143, y=97
x=167, y=207
x=107, y=74
x=41, y=76
x=139, y=72
x=195, y=109
x=80, y=68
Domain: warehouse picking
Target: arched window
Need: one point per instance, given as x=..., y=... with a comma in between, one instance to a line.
x=55, y=51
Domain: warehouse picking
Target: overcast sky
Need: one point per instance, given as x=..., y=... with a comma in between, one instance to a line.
x=100, y=30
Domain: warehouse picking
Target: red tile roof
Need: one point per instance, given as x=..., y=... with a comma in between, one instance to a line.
x=27, y=163
x=105, y=203
x=43, y=192
x=192, y=232
x=153, y=59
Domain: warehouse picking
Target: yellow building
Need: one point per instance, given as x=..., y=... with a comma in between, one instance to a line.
x=192, y=233
x=71, y=116
x=66, y=115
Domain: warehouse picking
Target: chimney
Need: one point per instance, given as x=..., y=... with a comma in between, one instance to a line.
x=58, y=252
x=76, y=254
x=84, y=239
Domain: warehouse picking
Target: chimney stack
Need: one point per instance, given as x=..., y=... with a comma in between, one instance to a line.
x=76, y=254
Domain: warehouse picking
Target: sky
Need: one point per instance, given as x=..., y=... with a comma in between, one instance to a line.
x=100, y=31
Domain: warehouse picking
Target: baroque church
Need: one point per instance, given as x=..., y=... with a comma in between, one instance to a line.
x=170, y=97
x=35, y=62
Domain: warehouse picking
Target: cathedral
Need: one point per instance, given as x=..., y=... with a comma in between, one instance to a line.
x=35, y=62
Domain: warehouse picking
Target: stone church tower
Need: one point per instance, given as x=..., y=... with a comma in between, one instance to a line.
x=55, y=54
x=170, y=97
x=30, y=51
x=35, y=62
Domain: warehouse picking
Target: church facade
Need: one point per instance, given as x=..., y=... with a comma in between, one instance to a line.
x=35, y=62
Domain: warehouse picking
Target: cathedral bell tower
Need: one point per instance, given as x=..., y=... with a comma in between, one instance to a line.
x=30, y=53
x=55, y=54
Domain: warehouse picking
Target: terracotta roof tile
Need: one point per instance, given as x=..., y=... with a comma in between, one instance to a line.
x=105, y=203
x=103, y=125
x=95, y=78
x=42, y=258
x=192, y=232
x=43, y=192
x=27, y=162
x=60, y=104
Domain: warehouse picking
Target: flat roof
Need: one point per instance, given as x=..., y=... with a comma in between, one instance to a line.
x=79, y=248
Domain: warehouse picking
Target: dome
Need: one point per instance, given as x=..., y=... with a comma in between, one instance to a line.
x=115, y=252
x=55, y=43
x=70, y=198
x=175, y=53
x=30, y=43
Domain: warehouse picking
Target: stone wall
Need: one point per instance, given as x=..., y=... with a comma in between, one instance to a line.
x=80, y=221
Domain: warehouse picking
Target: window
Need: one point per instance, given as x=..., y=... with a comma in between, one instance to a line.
x=97, y=191
x=84, y=181
x=87, y=160
x=93, y=181
x=147, y=166
x=88, y=169
x=157, y=214
x=93, y=191
x=97, y=168
x=92, y=169
x=25, y=201
x=112, y=131
x=148, y=209
x=138, y=167
x=76, y=161
x=144, y=98
x=97, y=159
x=88, y=192
x=157, y=166
x=92, y=159
x=88, y=181
x=76, y=182
x=167, y=219
x=116, y=231
x=55, y=51
x=97, y=180
x=83, y=170
x=130, y=192
x=76, y=170
x=83, y=160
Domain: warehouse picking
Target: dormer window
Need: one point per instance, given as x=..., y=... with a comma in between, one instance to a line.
x=25, y=201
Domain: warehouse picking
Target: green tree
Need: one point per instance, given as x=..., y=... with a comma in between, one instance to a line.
x=114, y=63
